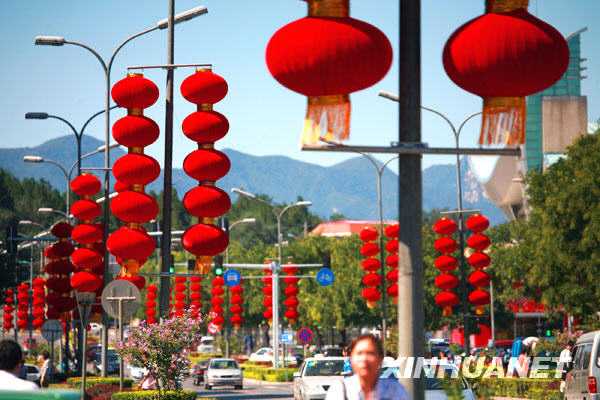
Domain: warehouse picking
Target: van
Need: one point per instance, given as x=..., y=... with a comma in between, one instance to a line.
x=582, y=380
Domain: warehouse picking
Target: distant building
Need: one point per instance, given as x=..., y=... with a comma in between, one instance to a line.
x=556, y=117
x=345, y=227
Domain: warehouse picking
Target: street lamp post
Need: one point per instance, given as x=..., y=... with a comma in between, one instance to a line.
x=459, y=200
x=277, y=267
x=107, y=67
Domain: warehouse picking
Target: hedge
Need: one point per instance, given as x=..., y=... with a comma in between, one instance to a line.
x=534, y=389
x=262, y=373
x=96, y=380
x=155, y=395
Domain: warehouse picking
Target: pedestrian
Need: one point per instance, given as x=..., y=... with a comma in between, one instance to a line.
x=46, y=371
x=148, y=382
x=11, y=361
x=565, y=363
x=347, y=366
x=366, y=357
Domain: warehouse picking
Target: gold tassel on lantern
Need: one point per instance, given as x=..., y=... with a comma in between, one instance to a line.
x=447, y=311
x=371, y=304
x=503, y=120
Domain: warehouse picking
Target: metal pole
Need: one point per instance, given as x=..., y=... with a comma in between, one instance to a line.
x=84, y=361
x=493, y=322
x=121, y=375
x=410, y=277
x=461, y=240
x=382, y=259
x=168, y=168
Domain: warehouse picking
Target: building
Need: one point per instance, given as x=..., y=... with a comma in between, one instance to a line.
x=344, y=228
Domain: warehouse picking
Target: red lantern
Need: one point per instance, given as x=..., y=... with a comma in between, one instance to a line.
x=479, y=260
x=504, y=56
x=136, y=169
x=135, y=131
x=61, y=230
x=369, y=249
x=135, y=92
x=87, y=233
x=477, y=223
x=204, y=87
x=85, y=282
x=86, y=210
x=479, y=298
x=368, y=234
x=128, y=243
x=446, y=300
x=392, y=231
x=478, y=241
x=371, y=296
x=206, y=165
x=371, y=264
x=446, y=281
x=326, y=56
x=206, y=201
x=445, y=226
x=479, y=278
x=204, y=239
x=85, y=185
x=205, y=126
x=372, y=279
x=137, y=207
x=445, y=245
x=86, y=258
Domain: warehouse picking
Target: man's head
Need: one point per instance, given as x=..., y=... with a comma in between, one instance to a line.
x=11, y=356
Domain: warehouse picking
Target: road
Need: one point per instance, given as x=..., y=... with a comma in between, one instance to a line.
x=252, y=390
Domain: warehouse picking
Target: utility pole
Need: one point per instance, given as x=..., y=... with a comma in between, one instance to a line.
x=167, y=169
x=410, y=277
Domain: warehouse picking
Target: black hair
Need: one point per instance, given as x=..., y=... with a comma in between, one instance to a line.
x=371, y=338
x=45, y=354
x=10, y=355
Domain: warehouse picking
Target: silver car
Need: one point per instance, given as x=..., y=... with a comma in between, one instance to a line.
x=316, y=375
x=223, y=372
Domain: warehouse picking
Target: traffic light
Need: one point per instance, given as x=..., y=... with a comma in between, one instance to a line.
x=327, y=260
x=191, y=264
x=172, y=264
x=218, y=265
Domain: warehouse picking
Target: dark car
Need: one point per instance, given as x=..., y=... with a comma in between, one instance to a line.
x=112, y=362
x=199, y=371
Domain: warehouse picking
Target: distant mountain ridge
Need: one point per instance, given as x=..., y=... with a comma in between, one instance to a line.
x=347, y=187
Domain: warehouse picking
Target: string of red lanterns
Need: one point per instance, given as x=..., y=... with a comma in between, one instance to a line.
x=480, y=279
x=131, y=244
x=392, y=232
x=195, y=296
x=180, y=295
x=237, y=309
x=372, y=279
x=58, y=285
x=267, y=290
x=38, y=302
x=445, y=263
x=8, y=309
x=504, y=56
x=22, y=305
x=151, y=295
x=291, y=293
x=326, y=56
x=216, y=311
x=205, y=165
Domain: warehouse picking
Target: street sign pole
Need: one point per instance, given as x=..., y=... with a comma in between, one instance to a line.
x=120, y=301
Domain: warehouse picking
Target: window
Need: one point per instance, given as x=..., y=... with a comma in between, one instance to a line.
x=223, y=364
x=324, y=368
x=586, y=356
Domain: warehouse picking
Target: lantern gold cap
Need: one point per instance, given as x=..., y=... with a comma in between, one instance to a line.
x=329, y=8
x=501, y=6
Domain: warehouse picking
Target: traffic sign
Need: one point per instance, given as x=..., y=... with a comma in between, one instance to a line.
x=232, y=277
x=52, y=330
x=305, y=335
x=121, y=288
x=325, y=277
x=287, y=337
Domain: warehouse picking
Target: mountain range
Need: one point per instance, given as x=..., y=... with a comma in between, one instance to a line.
x=347, y=187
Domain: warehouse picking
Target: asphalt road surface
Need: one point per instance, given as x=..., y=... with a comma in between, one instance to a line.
x=252, y=390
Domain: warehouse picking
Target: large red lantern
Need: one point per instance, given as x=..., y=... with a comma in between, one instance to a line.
x=479, y=298
x=206, y=165
x=130, y=243
x=326, y=56
x=504, y=56
x=446, y=300
x=445, y=226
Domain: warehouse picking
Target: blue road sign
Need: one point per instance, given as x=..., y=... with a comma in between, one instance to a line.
x=232, y=277
x=287, y=338
x=325, y=277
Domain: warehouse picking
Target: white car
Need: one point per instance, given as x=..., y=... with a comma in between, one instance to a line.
x=207, y=345
x=33, y=373
x=316, y=375
x=265, y=355
x=434, y=386
x=223, y=372
x=137, y=373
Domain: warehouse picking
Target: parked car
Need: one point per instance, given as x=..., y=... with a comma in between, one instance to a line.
x=112, y=362
x=434, y=384
x=198, y=371
x=33, y=373
x=582, y=380
x=316, y=375
x=223, y=372
x=265, y=355
x=207, y=345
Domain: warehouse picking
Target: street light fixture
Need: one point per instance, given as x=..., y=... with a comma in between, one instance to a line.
x=36, y=115
x=48, y=210
x=33, y=159
x=389, y=96
x=44, y=40
x=184, y=16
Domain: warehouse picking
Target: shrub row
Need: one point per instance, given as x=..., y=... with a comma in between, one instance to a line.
x=535, y=389
x=262, y=373
x=96, y=380
x=155, y=395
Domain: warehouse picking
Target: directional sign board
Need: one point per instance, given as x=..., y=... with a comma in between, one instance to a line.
x=121, y=288
x=325, y=277
x=305, y=335
x=52, y=330
x=232, y=277
x=287, y=337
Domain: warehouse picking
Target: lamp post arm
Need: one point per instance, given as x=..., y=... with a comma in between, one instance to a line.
x=443, y=117
x=94, y=52
x=92, y=117
x=129, y=39
x=66, y=122
x=467, y=120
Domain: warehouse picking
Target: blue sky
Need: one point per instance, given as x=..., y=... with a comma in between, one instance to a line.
x=265, y=118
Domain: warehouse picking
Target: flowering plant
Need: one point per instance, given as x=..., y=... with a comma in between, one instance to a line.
x=163, y=348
